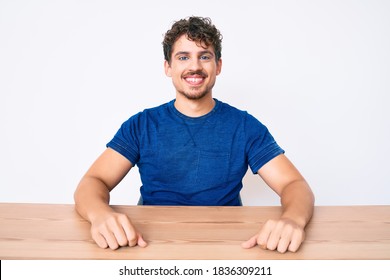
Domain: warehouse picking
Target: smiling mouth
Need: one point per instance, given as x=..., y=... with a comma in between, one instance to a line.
x=195, y=79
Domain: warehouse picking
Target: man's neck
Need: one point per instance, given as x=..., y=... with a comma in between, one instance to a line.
x=194, y=108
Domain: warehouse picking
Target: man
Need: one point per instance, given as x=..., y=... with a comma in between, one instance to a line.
x=194, y=150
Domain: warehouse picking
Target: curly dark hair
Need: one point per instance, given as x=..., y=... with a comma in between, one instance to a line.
x=198, y=29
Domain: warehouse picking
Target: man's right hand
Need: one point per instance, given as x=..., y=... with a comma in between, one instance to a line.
x=115, y=230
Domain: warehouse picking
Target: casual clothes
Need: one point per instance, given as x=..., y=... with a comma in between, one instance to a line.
x=194, y=161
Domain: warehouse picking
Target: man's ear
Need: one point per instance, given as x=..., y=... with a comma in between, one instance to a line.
x=167, y=68
x=219, y=66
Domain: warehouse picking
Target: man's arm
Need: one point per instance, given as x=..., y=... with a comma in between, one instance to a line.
x=108, y=228
x=297, y=201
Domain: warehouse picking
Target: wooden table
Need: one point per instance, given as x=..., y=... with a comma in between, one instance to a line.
x=52, y=231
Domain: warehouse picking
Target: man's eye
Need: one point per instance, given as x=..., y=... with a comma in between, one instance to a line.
x=183, y=58
x=204, y=57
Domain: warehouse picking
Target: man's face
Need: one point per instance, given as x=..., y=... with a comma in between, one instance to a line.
x=193, y=68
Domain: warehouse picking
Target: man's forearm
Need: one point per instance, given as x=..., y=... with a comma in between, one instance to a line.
x=91, y=197
x=297, y=201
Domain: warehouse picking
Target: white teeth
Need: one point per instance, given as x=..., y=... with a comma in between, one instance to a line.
x=194, y=80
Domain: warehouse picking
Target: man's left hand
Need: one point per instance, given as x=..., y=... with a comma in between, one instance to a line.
x=281, y=235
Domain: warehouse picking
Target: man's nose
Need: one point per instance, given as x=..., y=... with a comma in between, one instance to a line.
x=195, y=65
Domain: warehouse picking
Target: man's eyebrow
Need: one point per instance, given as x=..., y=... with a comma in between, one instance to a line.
x=199, y=53
x=206, y=52
x=181, y=53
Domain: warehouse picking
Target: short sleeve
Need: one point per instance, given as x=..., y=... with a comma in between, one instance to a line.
x=126, y=141
x=261, y=146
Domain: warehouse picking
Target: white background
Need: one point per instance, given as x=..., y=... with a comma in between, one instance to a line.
x=317, y=73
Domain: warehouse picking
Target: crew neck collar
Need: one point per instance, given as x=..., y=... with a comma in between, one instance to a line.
x=172, y=107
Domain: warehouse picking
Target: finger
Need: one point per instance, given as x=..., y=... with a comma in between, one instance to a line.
x=104, y=237
x=265, y=234
x=100, y=240
x=130, y=232
x=296, y=241
x=116, y=235
x=120, y=236
x=250, y=242
x=141, y=242
x=275, y=236
x=110, y=239
x=285, y=239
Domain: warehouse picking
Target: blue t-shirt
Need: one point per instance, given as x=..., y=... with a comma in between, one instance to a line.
x=194, y=161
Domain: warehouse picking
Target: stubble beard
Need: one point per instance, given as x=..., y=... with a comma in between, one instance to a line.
x=195, y=95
